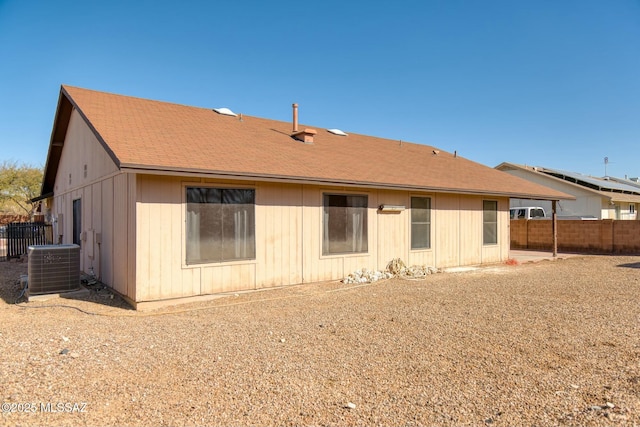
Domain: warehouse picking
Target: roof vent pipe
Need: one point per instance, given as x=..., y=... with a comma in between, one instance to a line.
x=295, y=117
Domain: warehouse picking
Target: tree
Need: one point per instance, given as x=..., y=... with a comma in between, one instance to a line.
x=19, y=183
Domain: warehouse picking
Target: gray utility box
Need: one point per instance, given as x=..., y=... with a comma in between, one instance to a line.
x=53, y=269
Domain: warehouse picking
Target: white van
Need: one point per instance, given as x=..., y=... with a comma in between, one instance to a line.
x=527, y=213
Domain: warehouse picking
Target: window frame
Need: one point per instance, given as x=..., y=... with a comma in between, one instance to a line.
x=486, y=222
x=76, y=221
x=325, y=252
x=428, y=223
x=185, y=229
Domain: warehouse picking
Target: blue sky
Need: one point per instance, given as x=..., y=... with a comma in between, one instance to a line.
x=546, y=82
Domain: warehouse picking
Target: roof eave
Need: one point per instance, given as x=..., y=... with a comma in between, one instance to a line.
x=61, y=120
x=243, y=176
x=56, y=142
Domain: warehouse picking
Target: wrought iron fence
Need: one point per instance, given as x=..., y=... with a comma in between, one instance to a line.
x=16, y=237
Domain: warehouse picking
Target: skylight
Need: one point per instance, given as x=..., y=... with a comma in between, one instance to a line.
x=337, y=132
x=224, y=111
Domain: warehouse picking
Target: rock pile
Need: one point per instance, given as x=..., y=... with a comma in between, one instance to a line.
x=366, y=276
x=395, y=268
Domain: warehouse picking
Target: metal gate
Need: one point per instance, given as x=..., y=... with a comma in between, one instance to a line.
x=16, y=237
x=3, y=242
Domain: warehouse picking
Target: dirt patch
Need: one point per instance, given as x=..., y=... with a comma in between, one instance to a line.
x=554, y=343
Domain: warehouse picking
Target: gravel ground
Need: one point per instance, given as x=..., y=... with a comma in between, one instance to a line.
x=548, y=343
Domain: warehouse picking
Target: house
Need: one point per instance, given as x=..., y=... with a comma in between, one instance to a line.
x=597, y=198
x=169, y=201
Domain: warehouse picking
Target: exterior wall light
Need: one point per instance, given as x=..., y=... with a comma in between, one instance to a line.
x=391, y=208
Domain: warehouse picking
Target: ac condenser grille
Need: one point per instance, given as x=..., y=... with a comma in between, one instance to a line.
x=53, y=268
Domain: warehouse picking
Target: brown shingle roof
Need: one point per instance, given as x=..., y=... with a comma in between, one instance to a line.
x=146, y=134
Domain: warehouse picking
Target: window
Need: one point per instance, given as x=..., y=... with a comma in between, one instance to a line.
x=632, y=209
x=77, y=221
x=489, y=222
x=420, y=223
x=220, y=224
x=344, y=224
x=537, y=213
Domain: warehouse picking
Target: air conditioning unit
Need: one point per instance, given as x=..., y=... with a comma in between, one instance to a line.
x=53, y=269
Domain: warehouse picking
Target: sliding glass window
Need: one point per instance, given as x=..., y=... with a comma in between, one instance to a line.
x=220, y=224
x=344, y=224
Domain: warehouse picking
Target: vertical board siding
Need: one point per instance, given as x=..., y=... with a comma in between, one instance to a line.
x=144, y=287
x=278, y=226
x=447, y=230
x=191, y=276
x=87, y=172
x=471, y=230
x=158, y=240
x=81, y=148
x=161, y=272
x=311, y=217
x=106, y=248
x=421, y=257
x=227, y=278
x=96, y=221
x=131, y=234
x=120, y=229
x=393, y=228
x=288, y=230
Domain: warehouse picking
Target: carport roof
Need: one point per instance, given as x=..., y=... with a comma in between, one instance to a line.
x=613, y=189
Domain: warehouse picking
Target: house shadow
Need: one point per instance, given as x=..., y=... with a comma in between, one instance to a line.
x=13, y=291
x=630, y=265
x=95, y=292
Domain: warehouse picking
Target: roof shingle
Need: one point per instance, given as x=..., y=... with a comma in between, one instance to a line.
x=147, y=134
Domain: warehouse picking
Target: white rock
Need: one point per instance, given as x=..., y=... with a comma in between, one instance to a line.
x=65, y=339
x=610, y=405
x=351, y=405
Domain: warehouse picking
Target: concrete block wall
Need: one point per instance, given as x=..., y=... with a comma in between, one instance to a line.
x=603, y=236
x=626, y=237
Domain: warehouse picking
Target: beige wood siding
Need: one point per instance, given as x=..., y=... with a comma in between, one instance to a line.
x=288, y=232
x=159, y=224
x=446, y=219
x=471, y=233
x=81, y=148
x=279, y=231
x=86, y=172
x=106, y=247
x=161, y=272
x=459, y=233
x=393, y=230
x=500, y=251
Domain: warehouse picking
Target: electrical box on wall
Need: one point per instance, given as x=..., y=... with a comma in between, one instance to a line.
x=89, y=242
x=60, y=224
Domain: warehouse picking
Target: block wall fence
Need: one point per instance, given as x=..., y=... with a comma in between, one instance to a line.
x=605, y=236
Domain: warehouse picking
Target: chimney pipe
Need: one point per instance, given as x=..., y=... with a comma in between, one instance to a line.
x=295, y=117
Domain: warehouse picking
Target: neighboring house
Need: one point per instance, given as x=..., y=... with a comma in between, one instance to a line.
x=600, y=198
x=169, y=201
